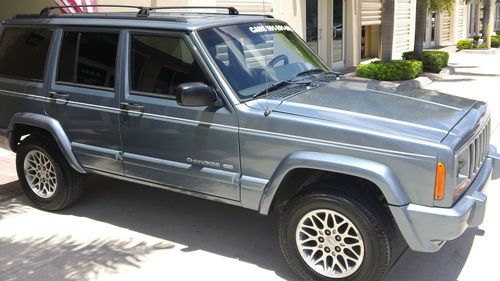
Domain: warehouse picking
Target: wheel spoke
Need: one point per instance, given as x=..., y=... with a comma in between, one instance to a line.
x=313, y=248
x=308, y=239
x=350, y=248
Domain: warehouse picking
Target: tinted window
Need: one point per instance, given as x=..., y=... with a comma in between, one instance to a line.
x=88, y=58
x=159, y=64
x=23, y=53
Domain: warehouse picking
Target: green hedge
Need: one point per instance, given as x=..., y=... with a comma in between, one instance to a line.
x=495, y=41
x=433, y=61
x=393, y=71
x=464, y=44
x=409, y=55
x=469, y=44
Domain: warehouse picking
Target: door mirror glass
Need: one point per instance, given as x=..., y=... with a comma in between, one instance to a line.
x=195, y=94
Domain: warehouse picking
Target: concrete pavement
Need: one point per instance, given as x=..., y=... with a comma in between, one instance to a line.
x=123, y=231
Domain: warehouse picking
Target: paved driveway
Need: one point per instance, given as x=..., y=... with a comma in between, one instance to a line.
x=122, y=231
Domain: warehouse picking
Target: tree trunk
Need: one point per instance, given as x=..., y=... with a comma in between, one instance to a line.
x=387, y=29
x=420, y=28
x=486, y=18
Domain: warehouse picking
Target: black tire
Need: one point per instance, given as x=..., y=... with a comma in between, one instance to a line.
x=366, y=214
x=70, y=183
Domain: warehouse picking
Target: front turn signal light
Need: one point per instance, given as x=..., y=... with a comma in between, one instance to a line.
x=440, y=181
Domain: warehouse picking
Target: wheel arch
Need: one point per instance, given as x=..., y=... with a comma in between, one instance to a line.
x=24, y=123
x=302, y=168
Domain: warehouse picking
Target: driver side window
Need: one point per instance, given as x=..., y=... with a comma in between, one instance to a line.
x=159, y=64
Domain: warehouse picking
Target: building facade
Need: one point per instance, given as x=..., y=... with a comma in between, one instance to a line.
x=342, y=32
x=497, y=16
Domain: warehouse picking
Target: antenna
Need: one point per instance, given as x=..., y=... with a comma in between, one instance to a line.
x=266, y=70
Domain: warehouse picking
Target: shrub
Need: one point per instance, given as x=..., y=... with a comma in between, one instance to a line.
x=477, y=37
x=393, y=71
x=434, y=61
x=495, y=41
x=464, y=44
x=498, y=32
x=409, y=55
x=469, y=44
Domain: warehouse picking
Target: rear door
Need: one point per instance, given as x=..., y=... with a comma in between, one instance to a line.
x=83, y=96
x=191, y=148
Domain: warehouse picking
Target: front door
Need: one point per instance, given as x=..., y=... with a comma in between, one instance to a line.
x=190, y=148
x=430, y=31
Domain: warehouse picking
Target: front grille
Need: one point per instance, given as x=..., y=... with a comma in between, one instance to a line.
x=478, y=151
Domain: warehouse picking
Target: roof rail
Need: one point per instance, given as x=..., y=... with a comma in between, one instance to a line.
x=231, y=10
x=46, y=11
x=143, y=11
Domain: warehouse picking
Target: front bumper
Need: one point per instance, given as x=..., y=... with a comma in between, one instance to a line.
x=426, y=229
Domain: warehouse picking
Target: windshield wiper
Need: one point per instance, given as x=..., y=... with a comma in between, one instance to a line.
x=310, y=71
x=279, y=85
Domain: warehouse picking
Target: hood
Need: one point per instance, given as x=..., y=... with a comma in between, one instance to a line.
x=423, y=114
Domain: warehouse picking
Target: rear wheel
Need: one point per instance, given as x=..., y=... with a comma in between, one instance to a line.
x=334, y=235
x=45, y=176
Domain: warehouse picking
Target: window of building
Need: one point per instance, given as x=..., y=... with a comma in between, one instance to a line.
x=159, y=64
x=88, y=58
x=23, y=53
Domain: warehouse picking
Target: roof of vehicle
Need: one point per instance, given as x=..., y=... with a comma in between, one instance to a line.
x=165, y=20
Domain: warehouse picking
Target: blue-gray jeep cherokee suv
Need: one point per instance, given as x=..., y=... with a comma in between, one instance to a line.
x=237, y=109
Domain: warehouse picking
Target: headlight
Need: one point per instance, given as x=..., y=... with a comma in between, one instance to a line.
x=462, y=173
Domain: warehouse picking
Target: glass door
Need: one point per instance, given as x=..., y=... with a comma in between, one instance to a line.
x=338, y=31
x=312, y=24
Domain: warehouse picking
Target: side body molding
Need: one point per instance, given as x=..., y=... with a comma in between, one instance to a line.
x=375, y=172
x=54, y=128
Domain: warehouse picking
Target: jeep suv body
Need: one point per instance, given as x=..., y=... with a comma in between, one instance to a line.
x=237, y=109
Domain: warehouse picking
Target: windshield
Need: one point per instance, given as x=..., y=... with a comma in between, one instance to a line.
x=244, y=52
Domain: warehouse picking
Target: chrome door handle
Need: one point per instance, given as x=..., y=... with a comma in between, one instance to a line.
x=58, y=96
x=132, y=106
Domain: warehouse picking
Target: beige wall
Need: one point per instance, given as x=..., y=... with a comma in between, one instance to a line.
x=497, y=17
x=10, y=8
x=404, y=27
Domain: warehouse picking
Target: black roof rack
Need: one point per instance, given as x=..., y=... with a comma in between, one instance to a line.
x=231, y=10
x=46, y=11
x=143, y=11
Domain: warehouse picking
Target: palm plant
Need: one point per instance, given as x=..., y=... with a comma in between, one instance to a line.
x=424, y=8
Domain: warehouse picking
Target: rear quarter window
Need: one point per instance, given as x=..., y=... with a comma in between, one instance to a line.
x=23, y=53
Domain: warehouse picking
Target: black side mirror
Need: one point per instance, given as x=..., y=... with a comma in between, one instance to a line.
x=195, y=94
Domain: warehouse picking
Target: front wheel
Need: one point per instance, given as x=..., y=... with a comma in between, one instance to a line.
x=327, y=235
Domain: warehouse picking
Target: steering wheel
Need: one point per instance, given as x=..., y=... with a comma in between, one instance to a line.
x=277, y=59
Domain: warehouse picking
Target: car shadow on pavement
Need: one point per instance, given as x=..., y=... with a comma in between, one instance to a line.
x=444, y=265
x=199, y=224
x=196, y=223
x=10, y=190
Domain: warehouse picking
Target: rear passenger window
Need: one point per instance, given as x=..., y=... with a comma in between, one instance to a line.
x=23, y=53
x=159, y=64
x=88, y=58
